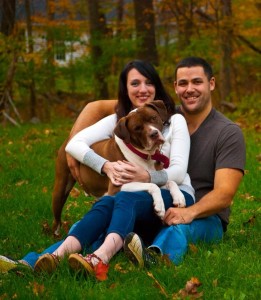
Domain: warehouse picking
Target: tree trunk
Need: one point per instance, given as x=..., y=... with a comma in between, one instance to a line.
x=31, y=62
x=183, y=12
x=120, y=6
x=145, y=30
x=50, y=80
x=8, y=16
x=225, y=37
x=98, y=31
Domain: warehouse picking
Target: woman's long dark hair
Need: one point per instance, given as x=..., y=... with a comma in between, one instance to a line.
x=124, y=105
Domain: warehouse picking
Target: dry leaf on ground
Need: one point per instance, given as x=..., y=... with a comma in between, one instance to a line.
x=190, y=291
x=75, y=193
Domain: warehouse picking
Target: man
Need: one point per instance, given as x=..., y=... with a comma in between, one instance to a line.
x=216, y=167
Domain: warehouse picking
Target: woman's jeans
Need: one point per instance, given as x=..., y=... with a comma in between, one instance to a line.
x=114, y=214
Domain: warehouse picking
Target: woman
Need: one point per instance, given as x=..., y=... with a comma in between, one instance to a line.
x=139, y=83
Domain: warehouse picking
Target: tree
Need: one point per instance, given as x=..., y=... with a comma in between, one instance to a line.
x=226, y=46
x=120, y=9
x=50, y=80
x=98, y=31
x=8, y=16
x=8, y=66
x=145, y=30
x=183, y=11
x=31, y=62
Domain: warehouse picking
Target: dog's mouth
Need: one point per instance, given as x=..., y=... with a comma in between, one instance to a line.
x=154, y=141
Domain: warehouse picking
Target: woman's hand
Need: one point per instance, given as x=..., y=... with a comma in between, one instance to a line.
x=133, y=172
x=122, y=172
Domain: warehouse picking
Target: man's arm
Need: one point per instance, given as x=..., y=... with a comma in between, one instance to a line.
x=91, y=113
x=226, y=184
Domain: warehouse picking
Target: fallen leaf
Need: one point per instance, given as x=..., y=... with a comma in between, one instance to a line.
x=120, y=269
x=166, y=260
x=101, y=270
x=251, y=221
x=247, y=196
x=66, y=225
x=75, y=193
x=48, y=131
x=113, y=286
x=45, y=189
x=193, y=248
x=21, y=182
x=190, y=291
x=215, y=283
x=37, y=288
x=46, y=228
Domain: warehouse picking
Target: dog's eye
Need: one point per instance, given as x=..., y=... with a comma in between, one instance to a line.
x=154, y=118
x=138, y=128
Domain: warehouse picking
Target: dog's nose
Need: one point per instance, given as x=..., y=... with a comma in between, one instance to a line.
x=154, y=134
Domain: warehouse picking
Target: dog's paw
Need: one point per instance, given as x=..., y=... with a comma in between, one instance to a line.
x=159, y=209
x=179, y=200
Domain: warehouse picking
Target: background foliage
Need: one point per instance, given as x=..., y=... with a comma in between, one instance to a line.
x=71, y=52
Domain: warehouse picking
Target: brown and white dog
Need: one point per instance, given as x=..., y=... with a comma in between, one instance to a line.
x=138, y=138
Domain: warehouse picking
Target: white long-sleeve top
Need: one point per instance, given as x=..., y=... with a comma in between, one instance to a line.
x=176, y=147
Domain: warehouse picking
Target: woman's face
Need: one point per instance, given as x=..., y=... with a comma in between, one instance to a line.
x=140, y=89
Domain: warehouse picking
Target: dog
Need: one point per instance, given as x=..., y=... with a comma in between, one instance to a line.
x=137, y=138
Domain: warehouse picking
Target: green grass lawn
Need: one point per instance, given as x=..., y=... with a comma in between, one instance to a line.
x=229, y=270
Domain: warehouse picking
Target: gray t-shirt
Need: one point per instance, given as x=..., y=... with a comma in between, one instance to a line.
x=218, y=143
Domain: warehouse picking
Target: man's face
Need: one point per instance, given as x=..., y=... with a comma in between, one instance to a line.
x=194, y=89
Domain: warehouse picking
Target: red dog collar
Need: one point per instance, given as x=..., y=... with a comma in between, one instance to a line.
x=157, y=156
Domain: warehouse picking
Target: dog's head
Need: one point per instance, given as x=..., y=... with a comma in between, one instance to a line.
x=142, y=127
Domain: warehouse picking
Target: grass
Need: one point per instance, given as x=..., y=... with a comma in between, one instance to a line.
x=229, y=270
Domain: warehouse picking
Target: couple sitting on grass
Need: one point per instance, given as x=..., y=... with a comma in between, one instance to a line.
x=207, y=159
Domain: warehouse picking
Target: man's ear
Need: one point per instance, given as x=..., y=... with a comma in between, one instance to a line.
x=160, y=107
x=122, y=131
x=212, y=83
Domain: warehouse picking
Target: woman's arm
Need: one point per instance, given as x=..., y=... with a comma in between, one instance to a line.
x=79, y=145
x=91, y=113
x=179, y=149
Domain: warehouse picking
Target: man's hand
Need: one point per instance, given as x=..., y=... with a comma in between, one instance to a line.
x=74, y=167
x=175, y=216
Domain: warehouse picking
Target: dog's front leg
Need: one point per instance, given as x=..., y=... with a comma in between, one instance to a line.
x=177, y=195
x=152, y=189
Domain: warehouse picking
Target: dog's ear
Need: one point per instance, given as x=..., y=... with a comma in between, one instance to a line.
x=122, y=131
x=160, y=107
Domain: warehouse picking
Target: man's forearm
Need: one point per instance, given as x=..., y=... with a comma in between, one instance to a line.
x=210, y=204
x=225, y=186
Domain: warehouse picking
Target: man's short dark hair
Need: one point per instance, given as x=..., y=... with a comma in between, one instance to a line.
x=194, y=61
